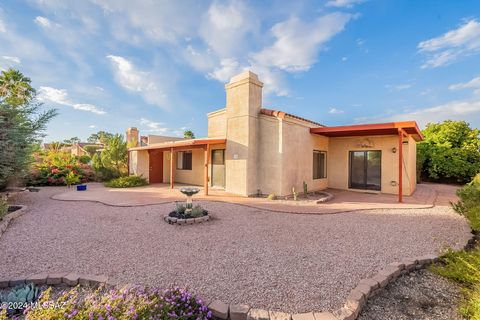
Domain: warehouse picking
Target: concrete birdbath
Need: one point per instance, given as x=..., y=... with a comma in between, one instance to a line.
x=189, y=192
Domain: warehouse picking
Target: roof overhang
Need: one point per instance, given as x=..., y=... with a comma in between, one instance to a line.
x=191, y=143
x=374, y=129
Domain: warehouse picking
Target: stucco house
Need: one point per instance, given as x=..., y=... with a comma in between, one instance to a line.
x=253, y=150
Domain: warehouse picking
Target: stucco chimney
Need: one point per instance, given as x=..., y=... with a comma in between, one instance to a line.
x=132, y=137
x=244, y=100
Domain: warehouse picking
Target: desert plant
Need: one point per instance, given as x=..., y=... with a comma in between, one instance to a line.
x=271, y=196
x=20, y=297
x=127, y=182
x=198, y=211
x=305, y=188
x=295, y=194
x=180, y=208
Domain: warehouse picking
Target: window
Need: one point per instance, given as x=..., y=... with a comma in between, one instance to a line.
x=184, y=160
x=319, y=164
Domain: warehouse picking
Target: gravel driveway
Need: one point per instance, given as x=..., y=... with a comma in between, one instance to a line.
x=288, y=262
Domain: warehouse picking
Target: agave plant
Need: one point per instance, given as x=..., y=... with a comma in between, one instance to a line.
x=19, y=297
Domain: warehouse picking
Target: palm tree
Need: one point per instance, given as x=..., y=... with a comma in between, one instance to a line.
x=15, y=88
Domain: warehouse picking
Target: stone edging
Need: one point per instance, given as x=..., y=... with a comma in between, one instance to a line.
x=328, y=197
x=10, y=216
x=56, y=279
x=172, y=220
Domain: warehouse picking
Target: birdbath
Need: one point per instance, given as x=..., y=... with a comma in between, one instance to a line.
x=189, y=192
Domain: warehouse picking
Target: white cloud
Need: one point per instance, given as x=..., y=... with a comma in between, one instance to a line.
x=228, y=68
x=344, y=59
x=225, y=26
x=159, y=128
x=451, y=46
x=298, y=42
x=12, y=59
x=60, y=96
x=3, y=29
x=398, y=87
x=135, y=80
x=335, y=111
x=472, y=84
x=43, y=22
x=343, y=3
x=92, y=126
x=454, y=110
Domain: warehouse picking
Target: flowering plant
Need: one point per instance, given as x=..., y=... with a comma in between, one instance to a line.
x=132, y=302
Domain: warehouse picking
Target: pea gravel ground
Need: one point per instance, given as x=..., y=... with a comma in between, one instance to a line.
x=278, y=261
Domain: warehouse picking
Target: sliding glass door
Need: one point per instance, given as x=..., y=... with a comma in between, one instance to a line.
x=365, y=170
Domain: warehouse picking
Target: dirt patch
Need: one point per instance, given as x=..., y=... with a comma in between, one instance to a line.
x=420, y=295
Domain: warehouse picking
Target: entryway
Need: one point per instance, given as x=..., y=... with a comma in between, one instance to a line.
x=155, y=162
x=218, y=168
x=365, y=170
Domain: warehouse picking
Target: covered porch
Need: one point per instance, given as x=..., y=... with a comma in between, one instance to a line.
x=184, y=162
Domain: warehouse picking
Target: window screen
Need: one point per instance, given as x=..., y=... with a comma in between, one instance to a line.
x=319, y=164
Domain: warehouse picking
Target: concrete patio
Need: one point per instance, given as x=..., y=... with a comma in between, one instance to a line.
x=426, y=196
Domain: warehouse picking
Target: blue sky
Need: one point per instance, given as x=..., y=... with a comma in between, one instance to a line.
x=162, y=65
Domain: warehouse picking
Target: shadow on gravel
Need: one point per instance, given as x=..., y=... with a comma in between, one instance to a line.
x=420, y=295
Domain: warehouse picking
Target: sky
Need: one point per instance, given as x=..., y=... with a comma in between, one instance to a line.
x=161, y=66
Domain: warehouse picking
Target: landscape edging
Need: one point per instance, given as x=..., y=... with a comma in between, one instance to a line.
x=56, y=279
x=9, y=217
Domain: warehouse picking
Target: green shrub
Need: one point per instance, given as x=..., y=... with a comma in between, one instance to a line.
x=271, y=196
x=469, y=203
x=3, y=207
x=72, y=178
x=127, y=182
x=460, y=266
x=84, y=159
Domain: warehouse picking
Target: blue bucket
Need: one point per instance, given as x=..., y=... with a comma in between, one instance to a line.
x=82, y=187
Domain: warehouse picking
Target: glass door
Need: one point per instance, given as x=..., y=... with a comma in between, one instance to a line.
x=218, y=168
x=365, y=170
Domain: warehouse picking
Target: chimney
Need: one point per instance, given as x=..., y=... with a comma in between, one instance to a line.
x=132, y=137
x=244, y=100
x=143, y=141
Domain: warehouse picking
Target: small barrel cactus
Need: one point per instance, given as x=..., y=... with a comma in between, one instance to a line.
x=20, y=297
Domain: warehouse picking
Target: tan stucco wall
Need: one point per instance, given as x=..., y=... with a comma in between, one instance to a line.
x=217, y=124
x=338, y=161
x=193, y=177
x=286, y=156
x=139, y=163
x=243, y=103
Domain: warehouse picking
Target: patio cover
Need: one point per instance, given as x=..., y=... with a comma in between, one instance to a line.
x=402, y=129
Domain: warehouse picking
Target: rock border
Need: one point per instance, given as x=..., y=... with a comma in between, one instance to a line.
x=9, y=217
x=328, y=196
x=173, y=220
x=71, y=279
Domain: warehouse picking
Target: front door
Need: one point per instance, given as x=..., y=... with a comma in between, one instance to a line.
x=155, y=166
x=218, y=168
x=365, y=170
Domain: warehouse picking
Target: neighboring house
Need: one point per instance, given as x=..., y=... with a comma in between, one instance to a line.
x=76, y=149
x=252, y=150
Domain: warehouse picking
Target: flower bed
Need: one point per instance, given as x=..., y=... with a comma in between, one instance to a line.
x=130, y=302
x=181, y=215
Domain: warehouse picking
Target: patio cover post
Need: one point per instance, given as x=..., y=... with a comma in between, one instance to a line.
x=401, y=133
x=128, y=162
x=205, y=182
x=172, y=168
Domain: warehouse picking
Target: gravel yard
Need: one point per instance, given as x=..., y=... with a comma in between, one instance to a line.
x=277, y=261
x=420, y=295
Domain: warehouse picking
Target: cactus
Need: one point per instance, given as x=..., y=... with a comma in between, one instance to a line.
x=295, y=194
x=21, y=296
x=305, y=188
